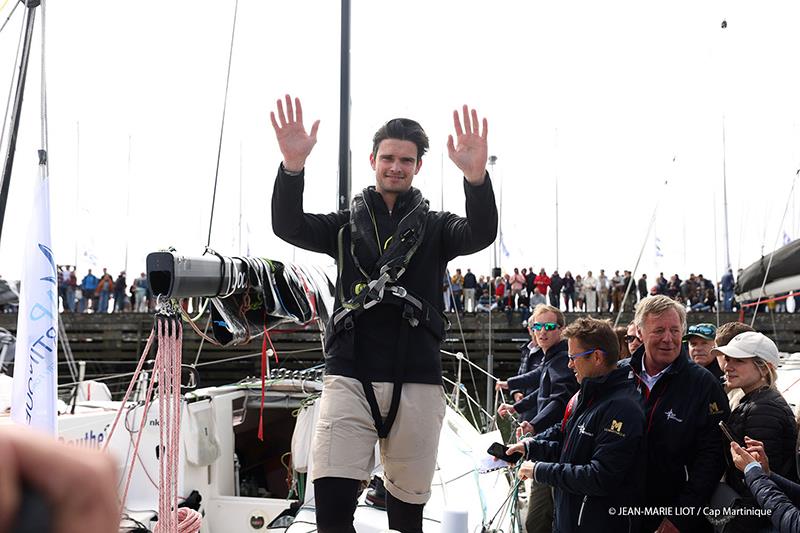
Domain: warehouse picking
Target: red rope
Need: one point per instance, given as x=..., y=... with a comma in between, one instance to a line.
x=263, y=384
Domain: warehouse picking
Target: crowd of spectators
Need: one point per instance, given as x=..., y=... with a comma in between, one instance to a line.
x=102, y=294
x=522, y=290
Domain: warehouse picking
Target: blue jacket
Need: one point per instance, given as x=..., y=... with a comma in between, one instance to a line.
x=595, y=458
x=779, y=496
x=554, y=385
x=685, y=447
x=89, y=282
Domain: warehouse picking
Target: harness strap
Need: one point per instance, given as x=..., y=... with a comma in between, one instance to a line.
x=421, y=312
x=384, y=426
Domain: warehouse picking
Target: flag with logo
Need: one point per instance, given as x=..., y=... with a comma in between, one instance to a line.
x=35, y=370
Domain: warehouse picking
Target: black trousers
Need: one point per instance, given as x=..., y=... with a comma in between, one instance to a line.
x=336, y=500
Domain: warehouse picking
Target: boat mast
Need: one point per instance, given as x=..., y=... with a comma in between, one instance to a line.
x=725, y=200
x=344, y=110
x=5, y=182
x=128, y=206
x=556, y=151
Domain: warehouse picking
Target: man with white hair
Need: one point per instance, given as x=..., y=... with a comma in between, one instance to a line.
x=684, y=405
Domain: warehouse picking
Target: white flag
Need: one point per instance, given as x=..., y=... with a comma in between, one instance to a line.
x=35, y=370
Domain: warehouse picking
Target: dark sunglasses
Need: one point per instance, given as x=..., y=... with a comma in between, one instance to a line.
x=547, y=326
x=631, y=338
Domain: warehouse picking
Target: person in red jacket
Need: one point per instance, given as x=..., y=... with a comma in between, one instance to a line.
x=542, y=281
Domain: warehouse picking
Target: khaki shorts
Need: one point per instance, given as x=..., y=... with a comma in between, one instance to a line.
x=345, y=436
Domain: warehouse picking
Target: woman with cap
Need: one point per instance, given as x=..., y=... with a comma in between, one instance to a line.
x=751, y=361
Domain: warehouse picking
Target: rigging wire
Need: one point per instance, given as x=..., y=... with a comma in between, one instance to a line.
x=222, y=125
x=14, y=77
x=43, y=94
x=772, y=255
x=206, y=363
x=202, y=340
x=16, y=4
x=641, y=251
x=716, y=263
x=461, y=331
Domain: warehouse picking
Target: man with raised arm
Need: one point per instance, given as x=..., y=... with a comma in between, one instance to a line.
x=383, y=368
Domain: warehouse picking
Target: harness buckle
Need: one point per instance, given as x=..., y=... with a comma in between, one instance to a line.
x=375, y=289
x=398, y=291
x=349, y=323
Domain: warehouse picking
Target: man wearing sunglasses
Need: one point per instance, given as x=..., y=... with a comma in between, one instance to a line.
x=632, y=338
x=530, y=359
x=592, y=457
x=554, y=385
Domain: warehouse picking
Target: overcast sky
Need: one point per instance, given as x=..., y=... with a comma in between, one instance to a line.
x=608, y=99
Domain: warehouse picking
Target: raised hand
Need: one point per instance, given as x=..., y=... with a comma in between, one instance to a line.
x=295, y=144
x=469, y=151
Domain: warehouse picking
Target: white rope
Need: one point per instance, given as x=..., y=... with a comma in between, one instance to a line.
x=459, y=355
x=469, y=399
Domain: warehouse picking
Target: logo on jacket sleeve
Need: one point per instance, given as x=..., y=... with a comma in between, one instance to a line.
x=615, y=428
x=713, y=409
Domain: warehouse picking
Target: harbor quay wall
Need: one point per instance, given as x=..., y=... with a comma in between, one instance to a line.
x=111, y=344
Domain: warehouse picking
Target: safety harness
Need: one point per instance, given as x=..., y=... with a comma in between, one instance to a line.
x=380, y=285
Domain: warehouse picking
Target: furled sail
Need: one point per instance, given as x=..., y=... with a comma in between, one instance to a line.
x=783, y=275
x=249, y=294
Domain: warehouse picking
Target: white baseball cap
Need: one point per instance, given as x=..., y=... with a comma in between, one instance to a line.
x=748, y=345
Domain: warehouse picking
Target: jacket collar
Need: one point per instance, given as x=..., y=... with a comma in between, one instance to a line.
x=554, y=350
x=401, y=205
x=612, y=380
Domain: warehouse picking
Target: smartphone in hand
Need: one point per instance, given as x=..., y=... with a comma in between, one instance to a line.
x=499, y=451
x=729, y=434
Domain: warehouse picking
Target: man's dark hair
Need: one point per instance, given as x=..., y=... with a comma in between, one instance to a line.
x=728, y=331
x=403, y=129
x=593, y=333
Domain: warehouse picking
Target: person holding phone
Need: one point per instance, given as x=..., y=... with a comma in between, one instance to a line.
x=592, y=457
x=775, y=494
x=751, y=360
x=554, y=385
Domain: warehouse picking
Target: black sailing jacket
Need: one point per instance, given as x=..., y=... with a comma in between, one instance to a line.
x=553, y=384
x=685, y=447
x=596, y=463
x=376, y=330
